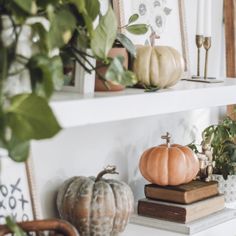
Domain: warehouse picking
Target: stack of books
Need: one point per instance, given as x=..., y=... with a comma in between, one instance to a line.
x=183, y=204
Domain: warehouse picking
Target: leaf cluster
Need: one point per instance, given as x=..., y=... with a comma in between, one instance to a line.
x=221, y=137
x=58, y=30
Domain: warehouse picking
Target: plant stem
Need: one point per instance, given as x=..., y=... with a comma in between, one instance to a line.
x=76, y=53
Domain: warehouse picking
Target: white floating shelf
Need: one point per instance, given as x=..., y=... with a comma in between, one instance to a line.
x=74, y=109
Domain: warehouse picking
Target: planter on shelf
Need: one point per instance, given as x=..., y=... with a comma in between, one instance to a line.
x=112, y=86
x=96, y=206
x=227, y=187
x=158, y=66
x=169, y=164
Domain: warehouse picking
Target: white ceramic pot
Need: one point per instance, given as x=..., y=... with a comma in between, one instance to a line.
x=227, y=187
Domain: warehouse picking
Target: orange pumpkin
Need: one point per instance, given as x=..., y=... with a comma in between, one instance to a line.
x=169, y=164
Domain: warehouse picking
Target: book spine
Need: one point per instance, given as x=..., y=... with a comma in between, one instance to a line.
x=159, y=211
x=167, y=195
x=183, y=197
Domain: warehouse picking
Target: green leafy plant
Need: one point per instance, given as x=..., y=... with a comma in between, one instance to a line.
x=101, y=43
x=36, y=37
x=221, y=138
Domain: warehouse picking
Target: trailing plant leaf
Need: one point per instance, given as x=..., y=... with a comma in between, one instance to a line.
x=61, y=30
x=41, y=34
x=46, y=74
x=3, y=64
x=104, y=35
x=18, y=150
x=137, y=29
x=80, y=4
x=16, y=230
x=41, y=75
x=30, y=117
x=126, y=43
x=56, y=72
x=44, y=3
x=116, y=73
x=92, y=8
x=82, y=39
x=26, y=5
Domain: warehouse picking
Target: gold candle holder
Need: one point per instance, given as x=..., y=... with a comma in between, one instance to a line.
x=206, y=42
x=207, y=46
x=199, y=43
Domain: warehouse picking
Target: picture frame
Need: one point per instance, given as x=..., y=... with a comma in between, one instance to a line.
x=17, y=190
x=161, y=16
x=77, y=79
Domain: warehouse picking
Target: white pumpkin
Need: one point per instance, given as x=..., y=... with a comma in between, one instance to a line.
x=159, y=66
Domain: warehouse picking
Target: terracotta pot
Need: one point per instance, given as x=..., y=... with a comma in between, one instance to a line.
x=99, y=84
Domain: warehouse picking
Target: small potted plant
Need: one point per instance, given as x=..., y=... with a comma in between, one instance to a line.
x=221, y=139
x=123, y=50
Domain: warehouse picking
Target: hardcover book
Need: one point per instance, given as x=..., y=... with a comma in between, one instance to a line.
x=215, y=219
x=179, y=212
x=184, y=193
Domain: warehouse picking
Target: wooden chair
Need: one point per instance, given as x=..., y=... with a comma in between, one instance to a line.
x=55, y=227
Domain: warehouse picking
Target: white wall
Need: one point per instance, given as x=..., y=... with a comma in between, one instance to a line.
x=216, y=59
x=86, y=150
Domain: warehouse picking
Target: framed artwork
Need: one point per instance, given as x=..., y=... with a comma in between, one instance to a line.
x=166, y=20
x=17, y=192
x=77, y=79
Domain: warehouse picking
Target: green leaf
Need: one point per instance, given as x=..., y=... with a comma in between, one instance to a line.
x=83, y=38
x=128, y=78
x=25, y=5
x=41, y=75
x=137, y=29
x=127, y=43
x=133, y=18
x=57, y=74
x=93, y=8
x=151, y=89
x=80, y=4
x=117, y=74
x=63, y=23
x=40, y=32
x=30, y=117
x=3, y=64
x=46, y=74
x=45, y=3
x=104, y=35
x=18, y=150
x=89, y=24
x=16, y=230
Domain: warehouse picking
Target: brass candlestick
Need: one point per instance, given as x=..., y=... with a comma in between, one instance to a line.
x=199, y=43
x=206, y=42
x=207, y=45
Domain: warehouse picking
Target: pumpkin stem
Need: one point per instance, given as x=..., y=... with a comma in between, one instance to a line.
x=153, y=36
x=167, y=137
x=108, y=170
